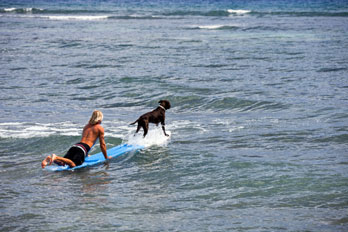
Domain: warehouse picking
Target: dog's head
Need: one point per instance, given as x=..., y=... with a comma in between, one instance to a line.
x=165, y=104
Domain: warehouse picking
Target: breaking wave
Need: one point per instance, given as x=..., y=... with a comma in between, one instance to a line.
x=94, y=14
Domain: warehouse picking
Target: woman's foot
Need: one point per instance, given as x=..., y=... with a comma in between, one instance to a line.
x=46, y=161
x=54, y=157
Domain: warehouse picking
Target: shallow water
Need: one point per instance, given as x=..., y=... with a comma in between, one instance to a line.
x=258, y=121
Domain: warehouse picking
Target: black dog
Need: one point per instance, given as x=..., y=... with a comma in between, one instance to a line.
x=156, y=116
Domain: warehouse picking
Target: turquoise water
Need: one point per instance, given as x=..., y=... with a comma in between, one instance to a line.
x=258, y=124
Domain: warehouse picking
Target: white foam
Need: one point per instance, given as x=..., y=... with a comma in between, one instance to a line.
x=9, y=9
x=188, y=125
x=155, y=137
x=232, y=11
x=143, y=16
x=215, y=26
x=235, y=128
x=26, y=130
x=23, y=9
x=117, y=129
x=10, y=124
x=77, y=17
x=211, y=27
x=228, y=124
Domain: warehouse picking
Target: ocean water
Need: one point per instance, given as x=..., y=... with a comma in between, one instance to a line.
x=258, y=125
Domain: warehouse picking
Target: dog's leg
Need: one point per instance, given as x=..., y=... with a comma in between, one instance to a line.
x=146, y=128
x=138, y=128
x=164, y=130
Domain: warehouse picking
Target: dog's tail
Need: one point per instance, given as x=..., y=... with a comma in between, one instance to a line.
x=134, y=122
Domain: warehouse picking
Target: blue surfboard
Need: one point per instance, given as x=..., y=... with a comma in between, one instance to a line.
x=97, y=158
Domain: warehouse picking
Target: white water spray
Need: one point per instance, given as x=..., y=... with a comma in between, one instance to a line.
x=155, y=137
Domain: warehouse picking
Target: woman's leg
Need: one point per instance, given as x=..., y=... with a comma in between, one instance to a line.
x=63, y=160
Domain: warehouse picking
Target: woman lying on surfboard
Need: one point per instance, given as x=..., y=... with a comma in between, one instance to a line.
x=77, y=153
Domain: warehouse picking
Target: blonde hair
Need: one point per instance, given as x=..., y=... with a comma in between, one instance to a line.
x=97, y=116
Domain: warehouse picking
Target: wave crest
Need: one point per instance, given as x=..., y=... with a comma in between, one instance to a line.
x=174, y=13
x=239, y=12
x=77, y=17
x=22, y=10
x=215, y=27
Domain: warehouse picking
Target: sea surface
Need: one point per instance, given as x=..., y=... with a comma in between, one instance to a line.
x=258, y=125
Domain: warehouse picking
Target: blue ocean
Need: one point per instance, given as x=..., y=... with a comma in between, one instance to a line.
x=258, y=124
